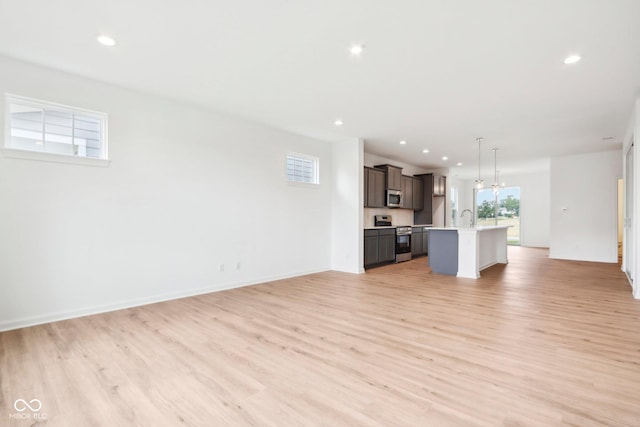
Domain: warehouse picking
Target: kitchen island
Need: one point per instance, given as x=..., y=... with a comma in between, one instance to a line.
x=465, y=251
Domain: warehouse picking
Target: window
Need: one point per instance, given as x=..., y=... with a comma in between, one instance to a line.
x=301, y=168
x=53, y=129
x=501, y=208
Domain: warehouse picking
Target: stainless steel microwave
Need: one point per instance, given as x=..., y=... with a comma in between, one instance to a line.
x=394, y=199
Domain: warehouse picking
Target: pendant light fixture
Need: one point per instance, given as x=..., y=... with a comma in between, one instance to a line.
x=496, y=183
x=479, y=181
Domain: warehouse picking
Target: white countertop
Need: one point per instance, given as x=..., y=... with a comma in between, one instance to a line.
x=396, y=226
x=476, y=228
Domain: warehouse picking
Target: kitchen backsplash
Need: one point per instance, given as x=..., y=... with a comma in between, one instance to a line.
x=398, y=216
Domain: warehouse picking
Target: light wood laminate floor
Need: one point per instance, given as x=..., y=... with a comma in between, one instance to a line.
x=539, y=342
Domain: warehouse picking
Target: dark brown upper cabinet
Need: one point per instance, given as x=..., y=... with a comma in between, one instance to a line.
x=393, y=176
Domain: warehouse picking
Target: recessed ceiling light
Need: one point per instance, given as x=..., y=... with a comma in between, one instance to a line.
x=106, y=40
x=356, y=49
x=572, y=59
x=426, y=150
x=445, y=158
x=338, y=122
x=403, y=142
x=459, y=164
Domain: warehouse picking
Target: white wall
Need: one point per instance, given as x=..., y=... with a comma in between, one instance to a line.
x=187, y=191
x=630, y=253
x=465, y=199
x=584, y=206
x=347, y=236
x=535, y=207
x=635, y=136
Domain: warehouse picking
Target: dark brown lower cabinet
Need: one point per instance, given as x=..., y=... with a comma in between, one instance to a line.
x=371, y=245
x=419, y=241
x=379, y=247
x=387, y=249
x=416, y=242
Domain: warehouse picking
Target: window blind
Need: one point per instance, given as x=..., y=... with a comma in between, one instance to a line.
x=302, y=169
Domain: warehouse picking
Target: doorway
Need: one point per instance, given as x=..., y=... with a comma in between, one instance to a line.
x=628, y=242
x=620, y=218
x=500, y=208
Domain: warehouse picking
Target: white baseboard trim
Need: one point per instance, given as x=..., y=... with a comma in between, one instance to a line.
x=10, y=324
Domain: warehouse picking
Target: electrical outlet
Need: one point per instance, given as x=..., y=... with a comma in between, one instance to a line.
x=221, y=268
x=238, y=265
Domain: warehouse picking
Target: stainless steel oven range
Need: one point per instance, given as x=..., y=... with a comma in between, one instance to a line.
x=403, y=243
x=403, y=237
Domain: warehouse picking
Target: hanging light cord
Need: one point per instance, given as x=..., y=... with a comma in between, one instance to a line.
x=479, y=182
x=495, y=170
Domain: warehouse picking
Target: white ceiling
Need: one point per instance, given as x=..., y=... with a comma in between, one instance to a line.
x=435, y=73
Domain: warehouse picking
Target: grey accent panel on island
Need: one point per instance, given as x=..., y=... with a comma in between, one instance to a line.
x=443, y=251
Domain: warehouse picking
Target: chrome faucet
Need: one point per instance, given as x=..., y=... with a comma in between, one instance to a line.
x=471, y=212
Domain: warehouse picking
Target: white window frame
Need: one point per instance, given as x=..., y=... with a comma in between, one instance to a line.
x=316, y=169
x=20, y=153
